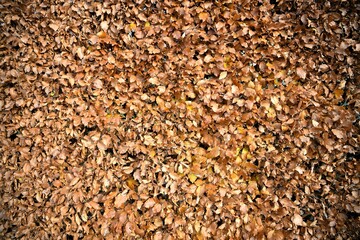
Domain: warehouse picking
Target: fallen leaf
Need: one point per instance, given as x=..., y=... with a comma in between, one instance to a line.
x=222, y=75
x=131, y=183
x=111, y=59
x=104, y=25
x=101, y=34
x=98, y=83
x=214, y=152
x=149, y=203
x=94, y=205
x=338, y=133
x=157, y=208
x=74, y=181
x=149, y=140
x=54, y=26
x=120, y=200
x=301, y=72
x=297, y=220
x=80, y=52
x=27, y=168
x=203, y=16
x=192, y=177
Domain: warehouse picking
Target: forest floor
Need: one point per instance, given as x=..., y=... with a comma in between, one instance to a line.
x=179, y=119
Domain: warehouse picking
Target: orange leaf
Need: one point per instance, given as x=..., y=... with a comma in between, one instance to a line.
x=131, y=183
x=338, y=93
x=203, y=16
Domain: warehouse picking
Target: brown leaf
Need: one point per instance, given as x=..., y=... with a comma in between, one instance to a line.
x=98, y=83
x=203, y=16
x=301, y=72
x=74, y=181
x=338, y=133
x=111, y=59
x=157, y=208
x=214, y=152
x=297, y=220
x=94, y=205
x=54, y=26
x=149, y=203
x=27, y=168
x=120, y=200
x=80, y=52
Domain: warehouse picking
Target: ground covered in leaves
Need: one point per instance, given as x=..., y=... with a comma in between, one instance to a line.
x=179, y=119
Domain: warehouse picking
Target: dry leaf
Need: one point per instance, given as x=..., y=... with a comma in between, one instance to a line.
x=149, y=141
x=54, y=26
x=111, y=59
x=192, y=177
x=120, y=200
x=204, y=16
x=101, y=34
x=80, y=52
x=149, y=203
x=213, y=153
x=104, y=25
x=98, y=83
x=222, y=75
x=301, y=72
x=297, y=220
x=338, y=133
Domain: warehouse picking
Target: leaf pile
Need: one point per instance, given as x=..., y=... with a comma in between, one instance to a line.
x=179, y=119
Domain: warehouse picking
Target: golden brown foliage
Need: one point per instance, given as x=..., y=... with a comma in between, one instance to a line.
x=179, y=119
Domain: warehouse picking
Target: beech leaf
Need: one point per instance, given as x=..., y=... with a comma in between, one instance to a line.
x=297, y=220
x=222, y=75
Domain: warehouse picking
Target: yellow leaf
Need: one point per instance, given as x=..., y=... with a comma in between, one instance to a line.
x=244, y=153
x=227, y=62
x=132, y=26
x=269, y=65
x=234, y=177
x=338, y=93
x=237, y=151
x=238, y=160
x=152, y=153
x=192, y=177
x=241, y=130
x=276, y=81
x=189, y=107
x=199, y=182
x=271, y=113
x=131, y=183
